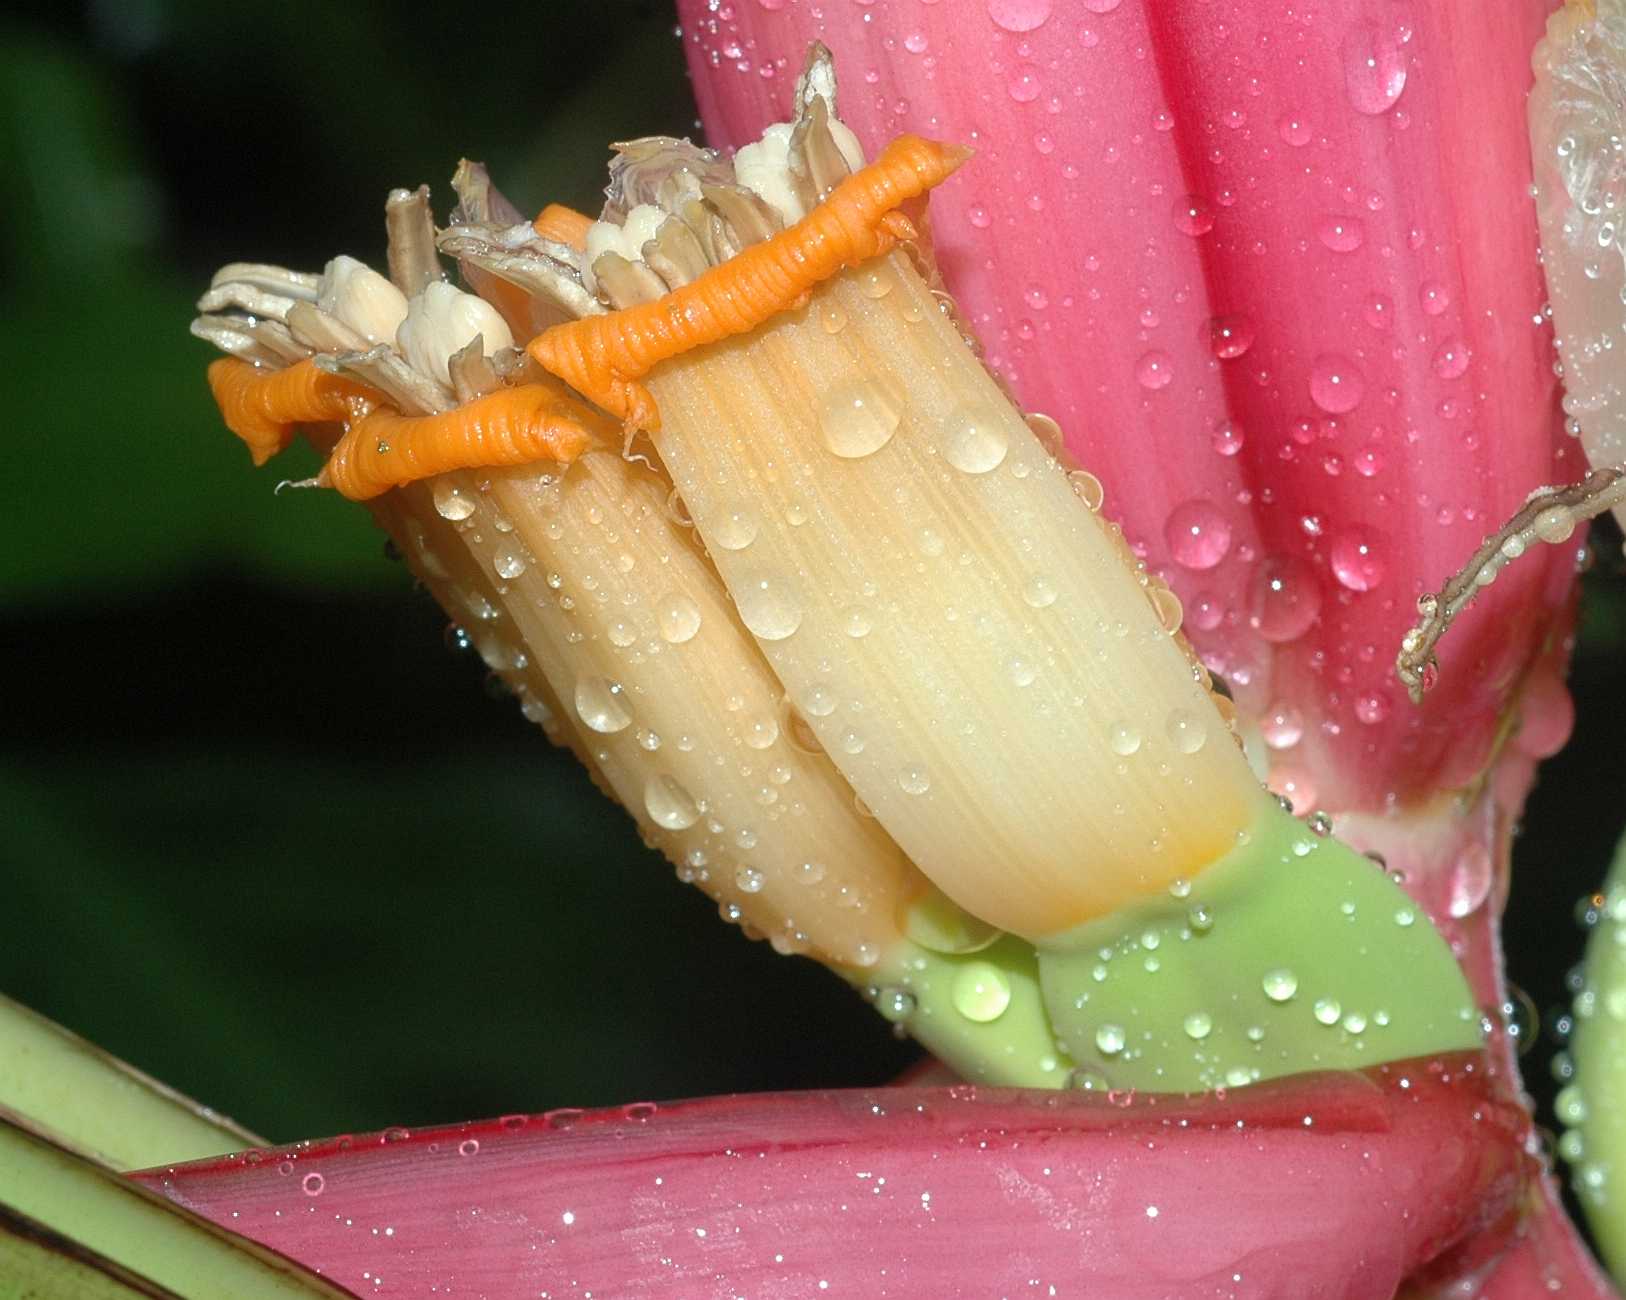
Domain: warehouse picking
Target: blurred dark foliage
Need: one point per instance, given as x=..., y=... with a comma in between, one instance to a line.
x=263, y=834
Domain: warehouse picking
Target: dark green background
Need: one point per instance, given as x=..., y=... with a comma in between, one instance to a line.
x=260, y=831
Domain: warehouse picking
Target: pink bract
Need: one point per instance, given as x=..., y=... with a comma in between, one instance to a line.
x=1273, y=269
x=1327, y=1185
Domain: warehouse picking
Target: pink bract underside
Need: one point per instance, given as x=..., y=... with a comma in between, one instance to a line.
x=1273, y=269
x=1332, y=1185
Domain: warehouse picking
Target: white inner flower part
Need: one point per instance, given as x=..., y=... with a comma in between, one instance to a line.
x=441, y=321
x=362, y=298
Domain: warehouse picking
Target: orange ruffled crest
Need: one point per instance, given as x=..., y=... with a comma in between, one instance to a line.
x=262, y=407
x=603, y=357
x=382, y=448
x=512, y=426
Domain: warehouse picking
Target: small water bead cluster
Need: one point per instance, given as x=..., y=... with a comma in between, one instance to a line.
x=1584, y=1107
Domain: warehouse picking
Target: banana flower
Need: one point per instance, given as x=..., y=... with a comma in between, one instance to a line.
x=721, y=486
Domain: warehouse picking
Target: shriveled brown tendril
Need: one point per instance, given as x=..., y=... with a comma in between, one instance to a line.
x=1549, y=515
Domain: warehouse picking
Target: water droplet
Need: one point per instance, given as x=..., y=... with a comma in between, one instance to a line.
x=1470, y=880
x=858, y=622
x=876, y=282
x=1294, y=129
x=1336, y=386
x=1168, y=607
x=1282, y=727
x=914, y=780
x=1024, y=84
x=1194, y=215
x=1379, y=311
x=669, y=804
x=1451, y=358
x=1101, y=6
x=1327, y=1010
x=1284, y=599
x=1110, y=1039
x=312, y=1184
x=1230, y=336
x=1357, y=559
x=451, y=502
x=1226, y=438
x=857, y=418
x=895, y=1004
x=508, y=564
x=1086, y=487
x=1280, y=984
x=601, y=705
x=1200, y=919
x=1086, y=1079
x=769, y=607
x=469, y=1147
x=1154, y=369
x=1554, y=524
x=975, y=439
x=981, y=992
x=1198, y=534
x=1433, y=297
x=1039, y=591
x=749, y=879
x=1371, y=708
x=679, y=617
x=1019, y=15
x=761, y=733
x=1198, y=1025
x=1123, y=738
x=1374, y=68
x=1341, y=234
x=733, y=530
x=1186, y=732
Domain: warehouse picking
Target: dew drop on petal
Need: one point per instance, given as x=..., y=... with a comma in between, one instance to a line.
x=1110, y=1039
x=1186, y=732
x=1336, y=385
x=733, y=530
x=914, y=780
x=1198, y=535
x=1280, y=984
x=1198, y=1025
x=1226, y=438
x=601, y=705
x=1379, y=311
x=1293, y=129
x=980, y=992
x=1024, y=84
x=1374, y=68
x=1341, y=234
x=451, y=502
x=1154, y=370
x=1282, y=726
x=1039, y=592
x=1123, y=738
x=1100, y=6
x=669, y=804
x=1433, y=297
x=1018, y=15
x=1194, y=215
x=975, y=439
x=312, y=1184
x=857, y=419
x=769, y=607
x=1357, y=559
x=1284, y=598
x=1451, y=358
x=1230, y=336
x=679, y=617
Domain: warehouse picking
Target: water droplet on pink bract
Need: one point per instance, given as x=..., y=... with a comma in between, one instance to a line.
x=1198, y=534
x=1336, y=386
x=1451, y=358
x=1357, y=559
x=1284, y=598
x=1341, y=234
x=1230, y=336
x=1374, y=68
x=1019, y=15
x=1024, y=85
x=1154, y=370
x=1194, y=215
x=1294, y=129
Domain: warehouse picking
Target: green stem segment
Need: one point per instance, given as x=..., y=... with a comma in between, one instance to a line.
x=1291, y=953
x=1594, y=1105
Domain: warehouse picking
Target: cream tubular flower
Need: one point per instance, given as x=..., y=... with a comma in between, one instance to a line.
x=900, y=698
